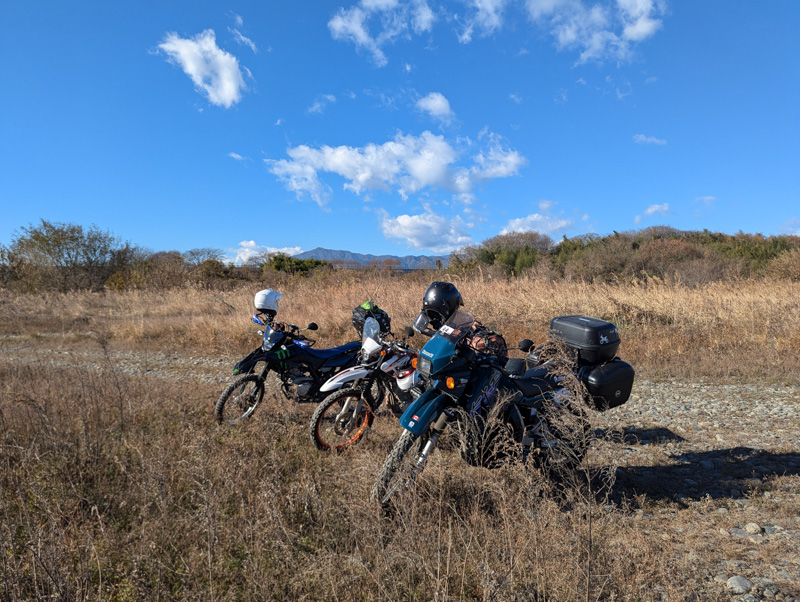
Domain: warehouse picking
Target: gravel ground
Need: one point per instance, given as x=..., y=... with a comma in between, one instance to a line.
x=713, y=470
x=719, y=466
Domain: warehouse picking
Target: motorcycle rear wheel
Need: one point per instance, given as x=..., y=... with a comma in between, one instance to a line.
x=400, y=469
x=240, y=399
x=340, y=420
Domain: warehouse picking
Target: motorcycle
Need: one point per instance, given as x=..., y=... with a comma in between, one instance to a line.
x=385, y=373
x=301, y=369
x=535, y=408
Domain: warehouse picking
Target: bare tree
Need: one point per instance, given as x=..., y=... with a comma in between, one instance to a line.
x=195, y=257
x=64, y=257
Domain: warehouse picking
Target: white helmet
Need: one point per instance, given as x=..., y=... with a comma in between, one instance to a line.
x=267, y=301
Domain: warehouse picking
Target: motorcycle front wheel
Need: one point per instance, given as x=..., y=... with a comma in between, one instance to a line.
x=340, y=420
x=240, y=399
x=400, y=469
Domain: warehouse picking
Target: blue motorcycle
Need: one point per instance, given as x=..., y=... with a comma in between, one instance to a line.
x=288, y=353
x=500, y=408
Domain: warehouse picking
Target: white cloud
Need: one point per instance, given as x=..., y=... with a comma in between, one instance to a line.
x=706, y=200
x=214, y=71
x=236, y=156
x=605, y=30
x=486, y=18
x=406, y=164
x=390, y=18
x=652, y=210
x=427, y=231
x=642, y=139
x=540, y=222
x=638, y=20
x=321, y=102
x=516, y=98
x=436, y=105
x=598, y=30
x=659, y=209
x=249, y=248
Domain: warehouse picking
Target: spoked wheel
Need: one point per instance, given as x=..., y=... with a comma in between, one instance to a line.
x=340, y=420
x=240, y=399
x=401, y=468
x=562, y=440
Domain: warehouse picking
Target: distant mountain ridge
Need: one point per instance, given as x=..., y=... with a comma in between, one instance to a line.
x=407, y=262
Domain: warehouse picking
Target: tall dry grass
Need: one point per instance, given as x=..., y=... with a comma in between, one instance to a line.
x=116, y=488
x=743, y=329
x=121, y=487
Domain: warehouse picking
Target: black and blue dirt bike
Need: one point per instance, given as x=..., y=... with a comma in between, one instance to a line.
x=535, y=409
x=289, y=354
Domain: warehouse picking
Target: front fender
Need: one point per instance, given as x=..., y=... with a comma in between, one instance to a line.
x=246, y=365
x=424, y=410
x=345, y=376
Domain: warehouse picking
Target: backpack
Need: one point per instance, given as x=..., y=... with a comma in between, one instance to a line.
x=369, y=309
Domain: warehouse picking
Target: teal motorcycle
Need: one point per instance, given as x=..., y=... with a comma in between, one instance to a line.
x=535, y=408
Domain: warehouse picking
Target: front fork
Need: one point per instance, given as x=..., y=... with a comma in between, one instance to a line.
x=343, y=414
x=437, y=428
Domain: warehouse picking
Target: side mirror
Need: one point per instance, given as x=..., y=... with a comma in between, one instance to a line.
x=525, y=345
x=421, y=322
x=409, y=332
x=312, y=326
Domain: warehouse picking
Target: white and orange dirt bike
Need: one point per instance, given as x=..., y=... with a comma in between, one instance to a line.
x=385, y=373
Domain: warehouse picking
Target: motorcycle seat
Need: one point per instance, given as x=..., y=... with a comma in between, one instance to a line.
x=536, y=381
x=326, y=354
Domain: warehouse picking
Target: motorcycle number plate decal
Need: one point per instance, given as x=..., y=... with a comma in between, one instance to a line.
x=415, y=417
x=412, y=423
x=446, y=329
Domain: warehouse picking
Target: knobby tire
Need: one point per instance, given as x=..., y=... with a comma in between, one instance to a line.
x=240, y=398
x=328, y=434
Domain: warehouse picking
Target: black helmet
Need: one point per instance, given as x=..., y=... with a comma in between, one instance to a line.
x=441, y=301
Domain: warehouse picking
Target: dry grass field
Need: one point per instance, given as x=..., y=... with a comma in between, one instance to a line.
x=117, y=484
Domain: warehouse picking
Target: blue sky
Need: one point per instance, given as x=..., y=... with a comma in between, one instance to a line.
x=395, y=127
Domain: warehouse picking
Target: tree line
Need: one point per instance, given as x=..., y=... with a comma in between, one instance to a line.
x=691, y=257
x=54, y=256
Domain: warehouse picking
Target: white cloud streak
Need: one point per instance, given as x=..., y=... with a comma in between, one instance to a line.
x=214, y=72
x=390, y=18
x=242, y=39
x=485, y=18
x=642, y=139
x=407, y=164
x=597, y=30
x=321, y=102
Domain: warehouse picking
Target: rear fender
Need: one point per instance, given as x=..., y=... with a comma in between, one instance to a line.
x=424, y=410
x=345, y=376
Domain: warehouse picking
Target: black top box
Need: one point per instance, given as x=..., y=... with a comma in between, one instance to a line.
x=596, y=340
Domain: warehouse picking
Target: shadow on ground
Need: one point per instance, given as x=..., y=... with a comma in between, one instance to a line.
x=718, y=474
x=632, y=436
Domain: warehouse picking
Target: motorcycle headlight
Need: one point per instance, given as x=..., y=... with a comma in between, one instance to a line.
x=424, y=366
x=266, y=345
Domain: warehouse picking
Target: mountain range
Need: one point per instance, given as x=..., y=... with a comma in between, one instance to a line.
x=407, y=262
